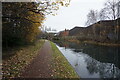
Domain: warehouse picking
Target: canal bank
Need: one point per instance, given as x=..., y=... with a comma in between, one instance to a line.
x=77, y=40
x=42, y=60
x=61, y=67
x=92, y=61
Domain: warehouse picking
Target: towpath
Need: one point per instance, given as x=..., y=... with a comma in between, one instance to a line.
x=40, y=67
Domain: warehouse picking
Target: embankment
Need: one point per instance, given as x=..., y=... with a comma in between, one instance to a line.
x=21, y=57
x=62, y=68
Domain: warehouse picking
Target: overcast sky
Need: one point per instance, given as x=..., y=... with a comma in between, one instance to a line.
x=74, y=15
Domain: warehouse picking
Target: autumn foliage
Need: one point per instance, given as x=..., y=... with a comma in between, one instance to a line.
x=20, y=22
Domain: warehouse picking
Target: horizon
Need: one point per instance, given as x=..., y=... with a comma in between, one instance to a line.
x=73, y=15
x=52, y=31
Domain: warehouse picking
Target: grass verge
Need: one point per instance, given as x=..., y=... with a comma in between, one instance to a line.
x=60, y=65
x=103, y=44
x=13, y=65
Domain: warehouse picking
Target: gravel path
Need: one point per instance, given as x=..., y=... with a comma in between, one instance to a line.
x=40, y=67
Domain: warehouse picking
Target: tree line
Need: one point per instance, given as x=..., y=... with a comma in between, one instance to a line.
x=110, y=11
x=21, y=20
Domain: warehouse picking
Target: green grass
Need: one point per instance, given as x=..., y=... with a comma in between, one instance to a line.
x=13, y=65
x=60, y=65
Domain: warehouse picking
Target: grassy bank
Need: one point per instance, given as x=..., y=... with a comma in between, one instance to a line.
x=100, y=43
x=21, y=57
x=89, y=42
x=62, y=68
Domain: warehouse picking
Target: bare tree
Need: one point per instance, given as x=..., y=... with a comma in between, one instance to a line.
x=92, y=17
x=118, y=16
x=118, y=9
x=102, y=15
x=111, y=9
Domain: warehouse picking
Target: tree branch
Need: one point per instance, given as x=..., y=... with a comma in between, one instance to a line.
x=12, y=17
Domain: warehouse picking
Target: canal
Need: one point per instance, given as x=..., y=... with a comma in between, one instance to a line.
x=92, y=61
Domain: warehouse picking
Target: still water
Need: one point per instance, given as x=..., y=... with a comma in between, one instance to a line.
x=92, y=61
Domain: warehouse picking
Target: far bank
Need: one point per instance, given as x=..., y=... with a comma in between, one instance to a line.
x=105, y=32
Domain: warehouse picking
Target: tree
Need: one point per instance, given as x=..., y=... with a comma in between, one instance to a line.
x=21, y=21
x=19, y=24
x=92, y=17
x=103, y=15
x=112, y=9
x=118, y=9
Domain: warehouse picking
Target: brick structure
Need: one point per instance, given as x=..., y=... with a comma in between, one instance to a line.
x=64, y=33
x=103, y=31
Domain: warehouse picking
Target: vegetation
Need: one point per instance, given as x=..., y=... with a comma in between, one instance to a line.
x=105, y=25
x=62, y=68
x=21, y=57
x=100, y=32
x=110, y=11
x=21, y=24
x=100, y=43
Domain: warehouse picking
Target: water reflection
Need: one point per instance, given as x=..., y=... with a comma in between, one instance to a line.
x=92, y=61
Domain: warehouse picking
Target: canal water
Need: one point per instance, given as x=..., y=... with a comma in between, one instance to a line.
x=92, y=61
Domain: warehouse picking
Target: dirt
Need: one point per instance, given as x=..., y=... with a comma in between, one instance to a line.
x=40, y=67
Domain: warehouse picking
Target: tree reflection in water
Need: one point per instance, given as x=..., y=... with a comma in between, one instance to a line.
x=106, y=70
x=101, y=60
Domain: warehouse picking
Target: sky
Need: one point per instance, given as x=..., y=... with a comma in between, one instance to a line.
x=73, y=15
